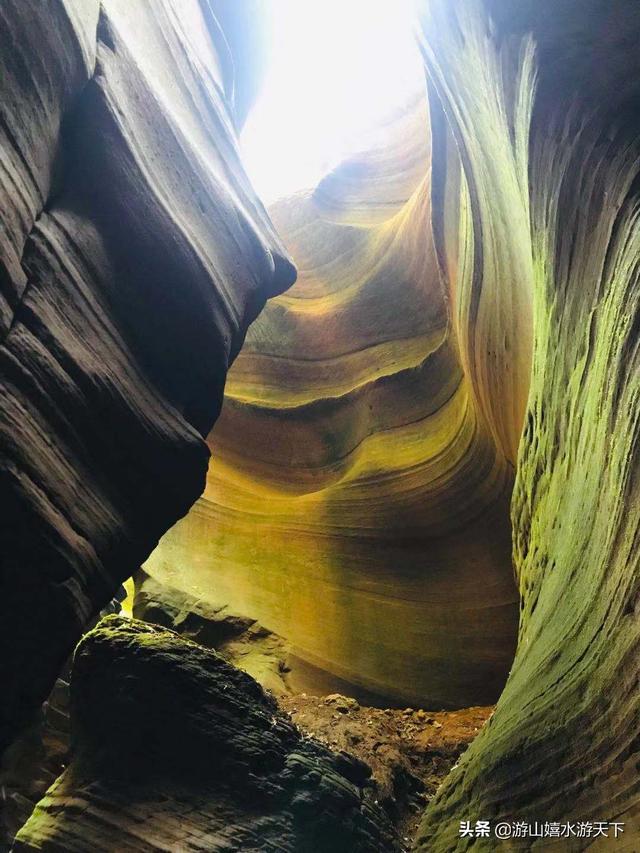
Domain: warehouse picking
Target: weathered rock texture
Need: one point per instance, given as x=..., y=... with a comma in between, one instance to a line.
x=358, y=504
x=367, y=450
x=133, y=256
x=34, y=761
x=240, y=640
x=560, y=170
x=39, y=754
x=176, y=750
x=410, y=751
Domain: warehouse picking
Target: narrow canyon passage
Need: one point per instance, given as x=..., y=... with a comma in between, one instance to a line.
x=319, y=426
x=355, y=486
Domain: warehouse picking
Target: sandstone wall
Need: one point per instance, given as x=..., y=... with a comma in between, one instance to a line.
x=358, y=501
x=563, y=742
x=133, y=257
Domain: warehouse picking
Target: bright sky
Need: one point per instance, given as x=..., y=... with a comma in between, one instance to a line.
x=337, y=69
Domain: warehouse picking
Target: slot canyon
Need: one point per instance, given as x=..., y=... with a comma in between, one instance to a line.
x=319, y=469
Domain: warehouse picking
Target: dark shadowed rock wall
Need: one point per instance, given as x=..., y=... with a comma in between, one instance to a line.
x=176, y=750
x=133, y=256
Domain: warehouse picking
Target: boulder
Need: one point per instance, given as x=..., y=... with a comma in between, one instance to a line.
x=175, y=749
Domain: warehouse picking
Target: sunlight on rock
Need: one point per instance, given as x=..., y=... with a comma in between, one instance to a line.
x=338, y=70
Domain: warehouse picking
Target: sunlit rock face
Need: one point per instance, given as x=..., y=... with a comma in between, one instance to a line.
x=241, y=641
x=357, y=503
x=563, y=742
x=133, y=256
x=176, y=750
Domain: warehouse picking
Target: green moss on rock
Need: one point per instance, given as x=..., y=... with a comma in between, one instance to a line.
x=175, y=749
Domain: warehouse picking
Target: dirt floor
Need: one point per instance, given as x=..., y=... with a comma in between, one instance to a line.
x=409, y=752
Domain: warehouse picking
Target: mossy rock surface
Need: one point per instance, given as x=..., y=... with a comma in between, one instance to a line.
x=175, y=749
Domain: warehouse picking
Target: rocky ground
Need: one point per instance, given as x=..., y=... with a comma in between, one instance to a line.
x=175, y=749
x=409, y=751
x=33, y=762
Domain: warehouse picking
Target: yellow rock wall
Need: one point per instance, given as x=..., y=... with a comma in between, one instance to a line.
x=357, y=502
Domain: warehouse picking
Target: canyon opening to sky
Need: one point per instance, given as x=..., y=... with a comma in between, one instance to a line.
x=308, y=118
x=320, y=418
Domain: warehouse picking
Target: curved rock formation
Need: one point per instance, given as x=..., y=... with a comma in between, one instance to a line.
x=241, y=641
x=358, y=504
x=466, y=315
x=174, y=749
x=563, y=742
x=133, y=257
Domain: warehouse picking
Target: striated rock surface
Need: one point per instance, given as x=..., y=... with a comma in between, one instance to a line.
x=358, y=505
x=176, y=750
x=240, y=640
x=410, y=751
x=39, y=754
x=561, y=160
x=371, y=434
x=33, y=761
x=133, y=256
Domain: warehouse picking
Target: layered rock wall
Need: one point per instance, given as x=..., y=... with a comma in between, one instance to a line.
x=174, y=749
x=563, y=742
x=134, y=256
x=365, y=457
x=358, y=504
